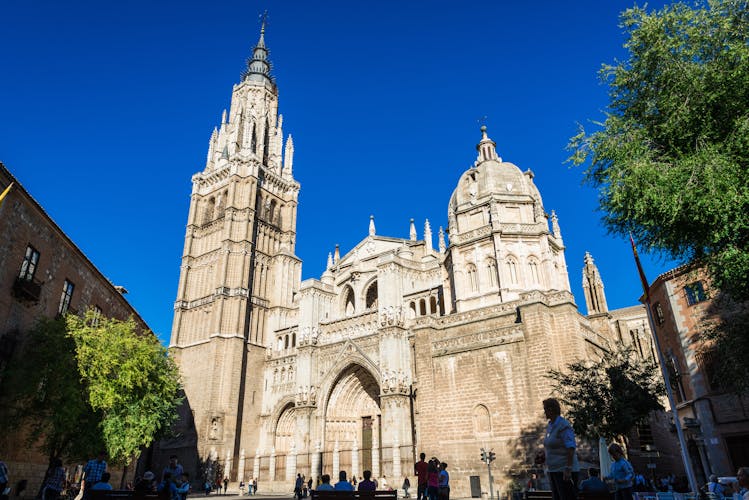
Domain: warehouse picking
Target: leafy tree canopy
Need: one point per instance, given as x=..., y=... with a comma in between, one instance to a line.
x=608, y=397
x=670, y=160
x=129, y=378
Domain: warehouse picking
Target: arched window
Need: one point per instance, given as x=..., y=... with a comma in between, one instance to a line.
x=210, y=207
x=279, y=344
x=349, y=304
x=266, y=143
x=512, y=270
x=491, y=269
x=412, y=310
x=272, y=211
x=286, y=342
x=293, y=340
x=432, y=305
x=423, y=307
x=473, y=281
x=533, y=268
x=482, y=422
x=253, y=143
x=371, y=297
x=220, y=208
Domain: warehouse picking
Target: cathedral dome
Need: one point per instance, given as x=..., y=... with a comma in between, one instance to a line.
x=491, y=176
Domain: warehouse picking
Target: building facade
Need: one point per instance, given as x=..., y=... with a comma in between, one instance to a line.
x=715, y=419
x=42, y=274
x=399, y=347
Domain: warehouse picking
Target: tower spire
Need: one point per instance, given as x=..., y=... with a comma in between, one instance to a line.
x=595, y=298
x=258, y=66
x=487, y=148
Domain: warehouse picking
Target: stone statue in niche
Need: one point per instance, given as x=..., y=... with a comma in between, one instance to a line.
x=216, y=431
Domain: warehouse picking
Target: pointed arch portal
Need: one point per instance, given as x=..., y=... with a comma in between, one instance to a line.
x=352, y=420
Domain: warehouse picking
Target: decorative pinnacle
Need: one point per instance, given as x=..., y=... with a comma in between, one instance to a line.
x=371, y=225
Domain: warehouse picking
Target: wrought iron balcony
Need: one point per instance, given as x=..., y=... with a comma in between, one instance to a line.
x=27, y=288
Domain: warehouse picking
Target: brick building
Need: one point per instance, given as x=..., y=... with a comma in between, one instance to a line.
x=42, y=274
x=716, y=420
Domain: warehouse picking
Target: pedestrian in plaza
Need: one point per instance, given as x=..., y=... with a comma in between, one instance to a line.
x=325, y=485
x=367, y=484
x=742, y=476
x=226, y=484
x=174, y=468
x=384, y=483
x=3, y=479
x=183, y=488
x=343, y=484
x=207, y=487
x=421, y=471
x=103, y=483
x=166, y=489
x=254, y=486
x=54, y=480
x=433, y=479
x=93, y=471
x=622, y=473
x=594, y=484
x=309, y=484
x=444, y=482
x=560, y=452
x=298, y=486
x=406, y=486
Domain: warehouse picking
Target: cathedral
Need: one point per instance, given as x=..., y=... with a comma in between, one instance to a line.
x=399, y=347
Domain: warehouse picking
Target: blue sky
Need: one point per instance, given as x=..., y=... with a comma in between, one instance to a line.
x=107, y=109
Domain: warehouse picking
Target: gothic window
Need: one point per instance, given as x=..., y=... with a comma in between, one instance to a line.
x=512, y=270
x=371, y=298
x=286, y=342
x=491, y=269
x=659, y=313
x=349, y=305
x=293, y=340
x=482, y=422
x=67, y=295
x=266, y=142
x=30, y=261
x=412, y=310
x=272, y=211
x=253, y=144
x=423, y=307
x=473, y=282
x=432, y=305
x=533, y=268
x=221, y=204
x=210, y=206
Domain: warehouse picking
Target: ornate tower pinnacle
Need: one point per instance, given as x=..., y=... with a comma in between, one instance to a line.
x=412, y=231
x=595, y=298
x=258, y=66
x=371, y=225
x=428, y=236
x=441, y=240
x=487, y=148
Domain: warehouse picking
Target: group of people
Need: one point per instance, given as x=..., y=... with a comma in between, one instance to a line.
x=251, y=486
x=720, y=491
x=560, y=458
x=433, y=479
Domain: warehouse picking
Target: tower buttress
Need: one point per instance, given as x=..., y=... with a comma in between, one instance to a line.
x=595, y=298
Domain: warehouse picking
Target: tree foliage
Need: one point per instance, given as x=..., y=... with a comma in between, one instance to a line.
x=43, y=396
x=610, y=396
x=129, y=379
x=670, y=160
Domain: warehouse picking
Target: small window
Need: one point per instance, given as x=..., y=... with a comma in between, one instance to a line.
x=695, y=293
x=659, y=313
x=30, y=262
x=67, y=294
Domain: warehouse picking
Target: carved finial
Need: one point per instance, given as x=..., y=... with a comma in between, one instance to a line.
x=337, y=254
x=223, y=118
x=428, y=236
x=441, y=240
x=412, y=231
x=288, y=157
x=555, y=226
x=487, y=148
x=330, y=261
x=371, y=225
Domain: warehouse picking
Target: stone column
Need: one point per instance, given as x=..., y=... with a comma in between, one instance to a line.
x=256, y=465
x=396, y=463
x=240, y=466
x=291, y=464
x=227, y=465
x=375, y=452
x=316, y=472
x=336, y=462
x=272, y=465
x=355, y=459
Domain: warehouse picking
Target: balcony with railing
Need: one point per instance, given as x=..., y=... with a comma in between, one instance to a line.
x=27, y=288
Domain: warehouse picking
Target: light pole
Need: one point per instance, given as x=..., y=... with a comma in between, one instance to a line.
x=488, y=457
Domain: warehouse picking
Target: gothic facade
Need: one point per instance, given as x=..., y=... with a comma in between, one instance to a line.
x=399, y=347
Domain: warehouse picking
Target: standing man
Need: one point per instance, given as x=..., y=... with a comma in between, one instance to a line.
x=421, y=470
x=94, y=470
x=174, y=468
x=561, y=456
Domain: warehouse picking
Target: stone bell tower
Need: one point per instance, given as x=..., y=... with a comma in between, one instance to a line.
x=239, y=273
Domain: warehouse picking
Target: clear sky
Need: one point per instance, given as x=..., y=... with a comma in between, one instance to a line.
x=106, y=109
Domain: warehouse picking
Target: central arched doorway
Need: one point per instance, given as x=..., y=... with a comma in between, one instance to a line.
x=352, y=423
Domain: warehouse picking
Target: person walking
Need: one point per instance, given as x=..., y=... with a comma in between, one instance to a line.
x=94, y=470
x=406, y=486
x=444, y=482
x=560, y=449
x=53, y=480
x=421, y=469
x=298, y=486
x=433, y=479
x=621, y=472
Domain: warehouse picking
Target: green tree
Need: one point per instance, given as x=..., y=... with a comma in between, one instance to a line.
x=610, y=396
x=43, y=396
x=670, y=160
x=129, y=379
